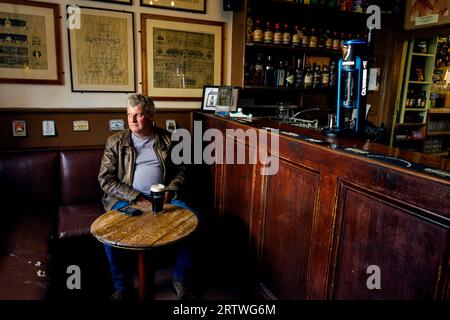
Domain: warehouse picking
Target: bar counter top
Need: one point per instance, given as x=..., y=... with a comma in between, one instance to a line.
x=421, y=163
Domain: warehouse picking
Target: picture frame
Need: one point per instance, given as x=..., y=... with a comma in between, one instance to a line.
x=171, y=125
x=418, y=13
x=209, y=98
x=19, y=128
x=180, y=56
x=48, y=128
x=102, y=51
x=30, y=42
x=197, y=6
x=116, y=125
x=126, y=2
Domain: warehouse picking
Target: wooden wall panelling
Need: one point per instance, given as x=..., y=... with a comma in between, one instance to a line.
x=373, y=229
x=65, y=136
x=287, y=230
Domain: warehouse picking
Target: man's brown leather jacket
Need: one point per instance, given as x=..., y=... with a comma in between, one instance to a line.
x=118, y=164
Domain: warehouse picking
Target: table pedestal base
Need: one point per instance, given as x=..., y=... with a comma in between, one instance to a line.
x=146, y=276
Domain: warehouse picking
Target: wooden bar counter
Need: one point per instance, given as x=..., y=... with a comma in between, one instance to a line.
x=334, y=223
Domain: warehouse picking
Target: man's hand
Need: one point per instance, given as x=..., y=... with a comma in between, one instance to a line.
x=142, y=201
x=168, y=196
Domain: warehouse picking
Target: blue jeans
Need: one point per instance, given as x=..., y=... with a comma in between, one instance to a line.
x=121, y=265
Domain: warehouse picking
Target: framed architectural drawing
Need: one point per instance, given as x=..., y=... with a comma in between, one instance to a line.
x=425, y=13
x=102, y=51
x=180, y=56
x=128, y=2
x=198, y=6
x=30, y=43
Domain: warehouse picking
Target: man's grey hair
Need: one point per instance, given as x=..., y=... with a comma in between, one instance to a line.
x=146, y=103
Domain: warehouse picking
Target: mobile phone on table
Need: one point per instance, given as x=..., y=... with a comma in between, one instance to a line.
x=130, y=211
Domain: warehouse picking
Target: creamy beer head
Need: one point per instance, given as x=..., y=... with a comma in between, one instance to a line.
x=157, y=188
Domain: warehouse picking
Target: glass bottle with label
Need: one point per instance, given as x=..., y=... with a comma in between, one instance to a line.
x=286, y=35
x=258, y=71
x=313, y=39
x=296, y=37
x=308, y=79
x=280, y=75
x=299, y=74
x=290, y=77
x=249, y=33
x=258, y=34
x=277, y=35
x=325, y=77
x=336, y=42
x=333, y=75
x=316, y=77
x=328, y=40
x=305, y=38
x=269, y=73
x=268, y=34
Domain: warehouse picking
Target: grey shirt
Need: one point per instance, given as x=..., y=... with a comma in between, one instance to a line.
x=148, y=168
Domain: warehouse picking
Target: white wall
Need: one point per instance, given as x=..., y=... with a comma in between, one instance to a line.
x=61, y=96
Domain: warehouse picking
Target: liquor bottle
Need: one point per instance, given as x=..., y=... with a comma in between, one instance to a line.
x=308, y=79
x=305, y=38
x=316, y=77
x=299, y=74
x=249, y=34
x=290, y=77
x=313, y=39
x=325, y=77
x=296, y=37
x=333, y=74
x=328, y=40
x=258, y=34
x=280, y=75
x=268, y=73
x=320, y=39
x=342, y=39
x=336, y=42
x=258, y=71
x=268, y=34
x=277, y=35
x=286, y=35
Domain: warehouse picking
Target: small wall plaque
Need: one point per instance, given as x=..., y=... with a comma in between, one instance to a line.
x=80, y=125
x=19, y=128
x=48, y=128
x=116, y=124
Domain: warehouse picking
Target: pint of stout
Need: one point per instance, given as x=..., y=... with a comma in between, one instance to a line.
x=157, y=195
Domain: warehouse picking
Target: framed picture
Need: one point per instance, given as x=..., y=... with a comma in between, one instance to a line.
x=30, y=42
x=171, y=125
x=128, y=2
x=48, y=128
x=102, y=51
x=425, y=13
x=180, y=56
x=198, y=6
x=19, y=128
x=116, y=124
x=80, y=125
x=210, y=95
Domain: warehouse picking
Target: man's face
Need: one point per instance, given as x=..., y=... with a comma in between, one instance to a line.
x=138, y=121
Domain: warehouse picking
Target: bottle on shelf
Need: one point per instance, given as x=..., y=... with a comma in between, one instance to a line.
x=342, y=39
x=286, y=35
x=280, y=75
x=258, y=71
x=296, y=37
x=328, y=40
x=269, y=73
x=268, y=34
x=258, y=34
x=305, y=38
x=316, y=77
x=313, y=39
x=325, y=77
x=336, y=41
x=290, y=77
x=320, y=39
x=299, y=74
x=308, y=77
x=333, y=75
x=277, y=35
x=249, y=33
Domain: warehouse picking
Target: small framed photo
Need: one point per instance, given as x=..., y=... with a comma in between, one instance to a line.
x=19, y=128
x=48, y=128
x=116, y=124
x=80, y=125
x=210, y=98
x=171, y=125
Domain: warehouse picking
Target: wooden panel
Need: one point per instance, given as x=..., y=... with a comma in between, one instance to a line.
x=375, y=230
x=65, y=136
x=288, y=230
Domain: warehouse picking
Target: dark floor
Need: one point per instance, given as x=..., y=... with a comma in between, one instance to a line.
x=218, y=272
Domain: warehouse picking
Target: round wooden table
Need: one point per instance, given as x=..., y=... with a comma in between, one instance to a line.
x=144, y=232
